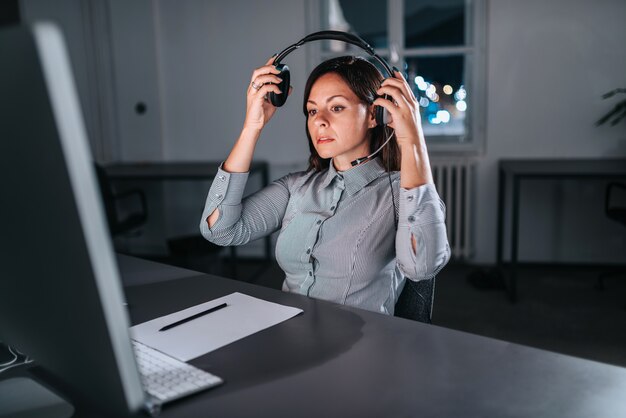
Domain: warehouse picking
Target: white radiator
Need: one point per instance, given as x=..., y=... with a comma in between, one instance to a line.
x=454, y=180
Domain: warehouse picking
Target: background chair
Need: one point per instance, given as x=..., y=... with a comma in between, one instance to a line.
x=195, y=253
x=416, y=301
x=615, y=209
x=117, y=224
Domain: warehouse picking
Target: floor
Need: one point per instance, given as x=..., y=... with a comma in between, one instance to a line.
x=558, y=308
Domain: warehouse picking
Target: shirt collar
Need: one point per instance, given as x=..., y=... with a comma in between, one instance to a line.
x=356, y=177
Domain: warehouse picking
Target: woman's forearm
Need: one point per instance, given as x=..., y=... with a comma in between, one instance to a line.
x=415, y=168
x=213, y=217
x=240, y=157
x=238, y=161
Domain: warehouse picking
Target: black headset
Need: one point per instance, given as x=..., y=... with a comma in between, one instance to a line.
x=382, y=117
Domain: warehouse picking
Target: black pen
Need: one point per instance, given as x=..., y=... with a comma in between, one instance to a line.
x=192, y=317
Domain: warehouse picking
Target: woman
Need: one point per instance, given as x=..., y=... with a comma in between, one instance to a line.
x=348, y=234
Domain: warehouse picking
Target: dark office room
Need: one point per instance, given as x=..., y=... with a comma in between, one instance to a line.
x=182, y=236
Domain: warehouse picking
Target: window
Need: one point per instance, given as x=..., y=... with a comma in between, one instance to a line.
x=437, y=43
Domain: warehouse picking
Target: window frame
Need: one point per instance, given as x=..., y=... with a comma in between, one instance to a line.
x=475, y=65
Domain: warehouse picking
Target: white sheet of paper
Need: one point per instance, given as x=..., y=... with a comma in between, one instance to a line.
x=244, y=315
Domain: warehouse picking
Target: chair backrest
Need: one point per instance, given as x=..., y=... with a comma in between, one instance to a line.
x=615, y=204
x=416, y=301
x=108, y=198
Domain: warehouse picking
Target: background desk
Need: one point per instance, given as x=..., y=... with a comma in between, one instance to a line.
x=181, y=170
x=516, y=171
x=336, y=361
x=184, y=171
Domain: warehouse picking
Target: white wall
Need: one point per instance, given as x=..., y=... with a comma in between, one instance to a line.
x=548, y=65
x=208, y=51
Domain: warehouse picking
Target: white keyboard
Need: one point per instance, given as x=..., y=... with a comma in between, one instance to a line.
x=166, y=378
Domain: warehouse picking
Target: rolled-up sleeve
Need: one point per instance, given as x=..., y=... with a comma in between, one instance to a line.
x=243, y=220
x=422, y=216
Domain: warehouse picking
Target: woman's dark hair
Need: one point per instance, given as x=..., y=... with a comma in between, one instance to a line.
x=364, y=79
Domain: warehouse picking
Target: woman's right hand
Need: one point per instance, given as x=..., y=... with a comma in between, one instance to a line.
x=259, y=110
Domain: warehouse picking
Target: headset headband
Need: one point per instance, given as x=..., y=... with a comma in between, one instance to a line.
x=335, y=36
x=382, y=116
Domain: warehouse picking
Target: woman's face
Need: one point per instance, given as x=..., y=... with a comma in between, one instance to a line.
x=338, y=121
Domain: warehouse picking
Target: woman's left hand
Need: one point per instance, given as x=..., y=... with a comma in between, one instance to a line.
x=404, y=109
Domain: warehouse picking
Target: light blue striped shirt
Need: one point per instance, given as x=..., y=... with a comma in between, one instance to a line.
x=337, y=238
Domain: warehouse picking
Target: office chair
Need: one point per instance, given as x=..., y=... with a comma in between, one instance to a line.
x=416, y=301
x=110, y=199
x=615, y=209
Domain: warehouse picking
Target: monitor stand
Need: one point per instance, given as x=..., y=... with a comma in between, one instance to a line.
x=22, y=397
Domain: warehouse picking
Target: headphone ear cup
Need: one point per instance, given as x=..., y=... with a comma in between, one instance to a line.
x=382, y=116
x=279, y=99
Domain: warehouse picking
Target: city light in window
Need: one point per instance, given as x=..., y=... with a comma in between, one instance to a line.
x=420, y=83
x=443, y=116
x=443, y=105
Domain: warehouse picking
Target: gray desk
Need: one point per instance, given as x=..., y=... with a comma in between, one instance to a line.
x=335, y=361
x=516, y=171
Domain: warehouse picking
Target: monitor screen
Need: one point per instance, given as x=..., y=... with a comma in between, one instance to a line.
x=61, y=301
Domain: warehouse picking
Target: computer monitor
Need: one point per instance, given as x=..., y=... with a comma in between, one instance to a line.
x=61, y=301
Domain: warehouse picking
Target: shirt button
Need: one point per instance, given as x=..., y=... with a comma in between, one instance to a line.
x=319, y=222
x=409, y=198
x=308, y=251
x=411, y=218
x=310, y=273
x=222, y=177
x=332, y=208
x=218, y=195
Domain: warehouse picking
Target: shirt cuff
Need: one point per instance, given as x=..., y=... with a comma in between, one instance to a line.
x=422, y=216
x=420, y=206
x=226, y=192
x=227, y=188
